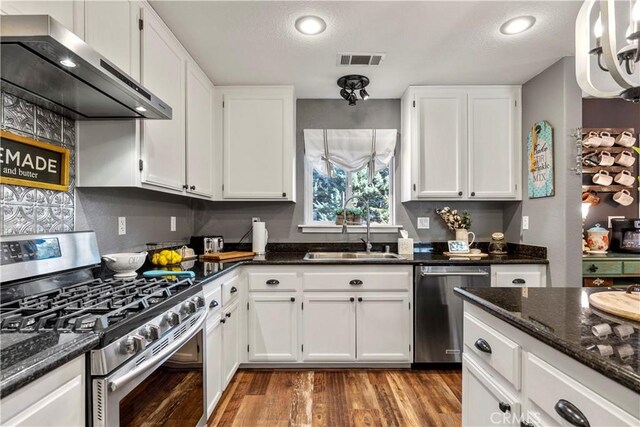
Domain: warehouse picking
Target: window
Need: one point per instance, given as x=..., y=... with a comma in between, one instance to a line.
x=324, y=195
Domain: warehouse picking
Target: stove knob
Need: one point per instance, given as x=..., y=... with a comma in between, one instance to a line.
x=198, y=301
x=150, y=332
x=133, y=344
x=189, y=307
x=172, y=318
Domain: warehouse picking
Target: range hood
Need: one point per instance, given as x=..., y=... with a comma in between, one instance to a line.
x=45, y=63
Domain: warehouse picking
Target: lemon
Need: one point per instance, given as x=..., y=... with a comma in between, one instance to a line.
x=162, y=260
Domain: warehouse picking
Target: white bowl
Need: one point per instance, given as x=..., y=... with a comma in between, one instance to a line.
x=125, y=264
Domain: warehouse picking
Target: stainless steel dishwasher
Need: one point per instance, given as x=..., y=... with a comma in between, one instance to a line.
x=438, y=312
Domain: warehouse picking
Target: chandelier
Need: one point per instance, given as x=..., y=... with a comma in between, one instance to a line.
x=608, y=49
x=350, y=84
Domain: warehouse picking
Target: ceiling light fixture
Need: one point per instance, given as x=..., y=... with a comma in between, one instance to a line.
x=350, y=84
x=620, y=64
x=68, y=63
x=517, y=25
x=310, y=25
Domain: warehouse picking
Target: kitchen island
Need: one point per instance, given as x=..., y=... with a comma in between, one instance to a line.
x=531, y=355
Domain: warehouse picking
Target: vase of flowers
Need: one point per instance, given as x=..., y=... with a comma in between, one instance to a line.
x=460, y=222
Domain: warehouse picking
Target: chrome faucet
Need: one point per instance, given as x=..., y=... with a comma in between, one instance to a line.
x=367, y=242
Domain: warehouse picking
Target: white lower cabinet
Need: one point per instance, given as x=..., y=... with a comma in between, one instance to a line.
x=484, y=402
x=273, y=327
x=230, y=342
x=40, y=403
x=329, y=328
x=383, y=327
x=213, y=362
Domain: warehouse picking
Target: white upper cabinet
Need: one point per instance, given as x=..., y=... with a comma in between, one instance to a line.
x=258, y=143
x=68, y=13
x=199, y=132
x=493, y=135
x=163, y=73
x=461, y=143
x=111, y=29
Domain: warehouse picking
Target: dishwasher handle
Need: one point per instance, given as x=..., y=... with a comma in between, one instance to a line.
x=460, y=273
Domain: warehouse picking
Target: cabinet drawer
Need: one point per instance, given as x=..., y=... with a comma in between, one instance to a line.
x=213, y=301
x=357, y=281
x=492, y=347
x=277, y=281
x=547, y=387
x=519, y=279
x=230, y=290
x=601, y=267
x=631, y=267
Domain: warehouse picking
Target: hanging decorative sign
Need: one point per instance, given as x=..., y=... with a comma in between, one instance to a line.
x=540, y=154
x=30, y=163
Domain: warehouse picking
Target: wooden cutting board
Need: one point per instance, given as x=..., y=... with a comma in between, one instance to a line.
x=468, y=255
x=618, y=303
x=227, y=256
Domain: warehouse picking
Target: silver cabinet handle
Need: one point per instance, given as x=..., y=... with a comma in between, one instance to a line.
x=148, y=364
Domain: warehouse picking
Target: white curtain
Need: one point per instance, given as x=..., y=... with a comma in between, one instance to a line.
x=349, y=149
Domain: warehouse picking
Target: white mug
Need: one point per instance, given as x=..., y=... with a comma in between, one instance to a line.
x=625, y=178
x=626, y=139
x=592, y=140
x=623, y=197
x=602, y=178
x=606, y=159
x=606, y=140
x=462, y=234
x=625, y=159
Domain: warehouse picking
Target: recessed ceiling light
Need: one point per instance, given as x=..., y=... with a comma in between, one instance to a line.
x=68, y=63
x=310, y=25
x=141, y=109
x=517, y=25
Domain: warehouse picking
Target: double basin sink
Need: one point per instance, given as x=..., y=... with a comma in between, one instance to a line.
x=350, y=256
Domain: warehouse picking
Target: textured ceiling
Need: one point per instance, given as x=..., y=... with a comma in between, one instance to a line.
x=446, y=42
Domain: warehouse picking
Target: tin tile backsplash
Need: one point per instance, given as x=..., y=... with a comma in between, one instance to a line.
x=25, y=210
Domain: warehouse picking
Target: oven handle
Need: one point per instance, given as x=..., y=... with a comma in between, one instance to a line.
x=467, y=273
x=143, y=367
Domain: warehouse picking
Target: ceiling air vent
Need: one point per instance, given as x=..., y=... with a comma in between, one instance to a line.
x=360, y=59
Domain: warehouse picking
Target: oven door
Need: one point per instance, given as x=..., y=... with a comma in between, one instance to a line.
x=164, y=385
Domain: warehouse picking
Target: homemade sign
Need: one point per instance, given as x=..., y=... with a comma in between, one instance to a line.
x=540, y=150
x=30, y=163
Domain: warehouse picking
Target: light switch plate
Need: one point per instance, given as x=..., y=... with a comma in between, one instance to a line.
x=614, y=217
x=122, y=225
x=423, y=223
x=525, y=222
x=173, y=223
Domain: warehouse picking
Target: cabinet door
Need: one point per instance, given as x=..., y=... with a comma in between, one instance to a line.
x=109, y=28
x=199, y=132
x=213, y=361
x=64, y=11
x=258, y=144
x=273, y=328
x=440, y=134
x=163, y=73
x=484, y=402
x=230, y=342
x=329, y=333
x=384, y=327
x=494, y=132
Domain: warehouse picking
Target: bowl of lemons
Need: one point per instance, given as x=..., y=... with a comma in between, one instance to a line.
x=166, y=257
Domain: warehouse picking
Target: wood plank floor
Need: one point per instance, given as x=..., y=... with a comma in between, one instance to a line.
x=339, y=398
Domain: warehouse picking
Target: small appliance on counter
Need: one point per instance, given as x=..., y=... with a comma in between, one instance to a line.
x=207, y=244
x=625, y=236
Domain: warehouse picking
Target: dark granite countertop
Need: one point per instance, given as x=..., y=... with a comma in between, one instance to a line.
x=562, y=318
x=25, y=357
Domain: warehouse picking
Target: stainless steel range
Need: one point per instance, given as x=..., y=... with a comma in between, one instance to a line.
x=148, y=365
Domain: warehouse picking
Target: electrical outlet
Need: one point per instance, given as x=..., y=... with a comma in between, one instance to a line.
x=173, y=223
x=614, y=217
x=122, y=225
x=423, y=223
x=525, y=222
x=255, y=219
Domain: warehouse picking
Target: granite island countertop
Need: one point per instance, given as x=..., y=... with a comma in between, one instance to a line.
x=535, y=312
x=25, y=357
